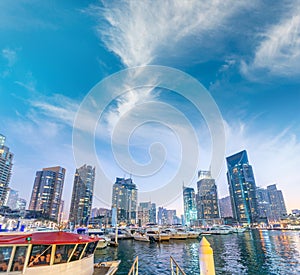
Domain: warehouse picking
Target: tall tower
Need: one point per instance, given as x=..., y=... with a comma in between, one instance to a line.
x=124, y=200
x=6, y=158
x=82, y=195
x=242, y=188
x=189, y=203
x=46, y=193
x=207, y=198
x=277, y=204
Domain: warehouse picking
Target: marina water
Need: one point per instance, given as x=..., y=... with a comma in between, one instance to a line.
x=254, y=252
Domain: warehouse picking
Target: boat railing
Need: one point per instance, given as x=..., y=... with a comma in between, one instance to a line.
x=134, y=270
x=175, y=265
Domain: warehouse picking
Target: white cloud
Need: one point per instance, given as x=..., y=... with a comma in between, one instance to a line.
x=139, y=31
x=59, y=107
x=279, y=50
x=10, y=55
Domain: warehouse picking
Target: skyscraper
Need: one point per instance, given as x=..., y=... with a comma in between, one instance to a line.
x=124, y=200
x=146, y=213
x=46, y=193
x=82, y=195
x=207, y=197
x=6, y=158
x=189, y=203
x=242, y=188
x=278, y=209
x=12, y=198
x=225, y=207
x=263, y=203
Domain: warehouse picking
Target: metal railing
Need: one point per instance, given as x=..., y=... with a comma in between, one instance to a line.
x=178, y=269
x=134, y=270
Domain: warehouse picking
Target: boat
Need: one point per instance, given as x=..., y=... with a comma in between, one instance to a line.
x=46, y=253
x=216, y=230
x=177, y=234
x=192, y=234
x=138, y=236
x=239, y=229
x=164, y=235
x=106, y=268
x=103, y=242
x=153, y=233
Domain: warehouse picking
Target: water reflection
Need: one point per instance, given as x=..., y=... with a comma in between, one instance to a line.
x=254, y=252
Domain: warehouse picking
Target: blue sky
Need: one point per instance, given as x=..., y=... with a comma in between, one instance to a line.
x=247, y=55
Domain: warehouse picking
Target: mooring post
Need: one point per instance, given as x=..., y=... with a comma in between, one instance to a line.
x=206, y=258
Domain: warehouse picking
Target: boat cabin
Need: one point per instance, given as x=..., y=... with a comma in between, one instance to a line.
x=46, y=253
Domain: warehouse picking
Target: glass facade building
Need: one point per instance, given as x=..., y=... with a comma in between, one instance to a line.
x=6, y=159
x=47, y=190
x=189, y=203
x=242, y=188
x=207, y=197
x=124, y=200
x=146, y=213
x=82, y=195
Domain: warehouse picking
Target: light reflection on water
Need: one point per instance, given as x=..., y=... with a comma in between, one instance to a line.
x=254, y=252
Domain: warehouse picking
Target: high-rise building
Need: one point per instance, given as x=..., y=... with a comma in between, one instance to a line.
x=82, y=195
x=124, y=200
x=146, y=213
x=278, y=209
x=21, y=204
x=189, y=203
x=207, y=197
x=46, y=193
x=12, y=198
x=166, y=216
x=242, y=188
x=263, y=203
x=225, y=207
x=6, y=158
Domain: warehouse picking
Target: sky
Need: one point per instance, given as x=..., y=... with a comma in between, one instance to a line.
x=57, y=56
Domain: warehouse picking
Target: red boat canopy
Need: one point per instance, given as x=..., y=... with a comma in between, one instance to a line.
x=58, y=237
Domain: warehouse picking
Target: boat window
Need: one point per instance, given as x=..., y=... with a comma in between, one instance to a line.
x=62, y=253
x=90, y=249
x=40, y=255
x=5, y=253
x=19, y=258
x=78, y=251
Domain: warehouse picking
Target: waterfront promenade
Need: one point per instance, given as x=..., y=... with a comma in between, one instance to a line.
x=254, y=252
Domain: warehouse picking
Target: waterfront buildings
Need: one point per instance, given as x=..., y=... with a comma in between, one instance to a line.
x=242, y=188
x=82, y=195
x=207, y=197
x=225, y=207
x=146, y=213
x=46, y=193
x=271, y=203
x=6, y=159
x=189, y=203
x=167, y=217
x=124, y=200
x=12, y=198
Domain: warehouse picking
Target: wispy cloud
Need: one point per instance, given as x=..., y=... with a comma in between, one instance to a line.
x=279, y=51
x=10, y=56
x=58, y=107
x=140, y=31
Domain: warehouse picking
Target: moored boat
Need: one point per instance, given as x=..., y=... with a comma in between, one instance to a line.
x=106, y=268
x=47, y=253
x=141, y=237
x=177, y=234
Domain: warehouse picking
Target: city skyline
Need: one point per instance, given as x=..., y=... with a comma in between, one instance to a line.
x=245, y=54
